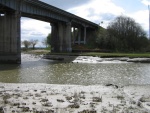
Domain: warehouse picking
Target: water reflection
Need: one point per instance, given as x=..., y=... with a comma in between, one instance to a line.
x=36, y=70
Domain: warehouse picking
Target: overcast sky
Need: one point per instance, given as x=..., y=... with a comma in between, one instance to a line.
x=94, y=10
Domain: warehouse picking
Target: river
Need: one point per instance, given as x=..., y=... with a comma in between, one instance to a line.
x=36, y=70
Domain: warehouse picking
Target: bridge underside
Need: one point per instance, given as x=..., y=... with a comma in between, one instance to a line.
x=65, y=31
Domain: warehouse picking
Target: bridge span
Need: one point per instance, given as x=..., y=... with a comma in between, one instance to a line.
x=66, y=28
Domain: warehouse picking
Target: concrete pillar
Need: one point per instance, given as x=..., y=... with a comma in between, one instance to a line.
x=10, y=45
x=74, y=35
x=61, y=36
x=54, y=38
x=79, y=36
x=2, y=21
x=68, y=37
x=84, y=35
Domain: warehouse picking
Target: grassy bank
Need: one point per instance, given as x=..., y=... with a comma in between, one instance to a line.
x=99, y=54
x=130, y=55
x=36, y=51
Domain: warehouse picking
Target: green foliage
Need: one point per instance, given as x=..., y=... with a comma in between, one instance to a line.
x=49, y=39
x=91, y=40
x=44, y=42
x=122, y=34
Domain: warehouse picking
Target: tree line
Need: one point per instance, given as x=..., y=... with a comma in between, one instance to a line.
x=122, y=34
x=33, y=42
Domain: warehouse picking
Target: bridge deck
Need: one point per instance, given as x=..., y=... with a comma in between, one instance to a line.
x=46, y=12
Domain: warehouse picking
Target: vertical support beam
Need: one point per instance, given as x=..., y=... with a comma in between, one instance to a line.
x=68, y=37
x=84, y=35
x=79, y=35
x=74, y=35
x=60, y=35
x=18, y=34
x=10, y=37
x=2, y=20
x=54, y=38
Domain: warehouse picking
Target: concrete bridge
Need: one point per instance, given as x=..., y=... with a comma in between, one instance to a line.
x=66, y=28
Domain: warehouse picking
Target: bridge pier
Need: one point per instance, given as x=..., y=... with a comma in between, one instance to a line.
x=61, y=37
x=84, y=35
x=10, y=48
x=80, y=35
x=68, y=37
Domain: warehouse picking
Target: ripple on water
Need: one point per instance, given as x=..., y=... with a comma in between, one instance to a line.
x=35, y=70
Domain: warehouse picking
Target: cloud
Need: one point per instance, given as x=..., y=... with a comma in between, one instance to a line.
x=98, y=10
x=146, y=2
x=141, y=17
x=34, y=29
x=65, y=4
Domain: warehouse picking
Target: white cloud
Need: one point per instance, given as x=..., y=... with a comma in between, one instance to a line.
x=106, y=11
x=95, y=10
x=141, y=17
x=146, y=2
x=34, y=29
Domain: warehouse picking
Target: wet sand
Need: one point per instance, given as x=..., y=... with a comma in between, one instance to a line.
x=48, y=98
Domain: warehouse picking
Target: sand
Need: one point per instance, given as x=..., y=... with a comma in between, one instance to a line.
x=52, y=98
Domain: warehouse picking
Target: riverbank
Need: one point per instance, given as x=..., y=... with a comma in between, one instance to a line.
x=94, y=54
x=105, y=55
x=48, y=98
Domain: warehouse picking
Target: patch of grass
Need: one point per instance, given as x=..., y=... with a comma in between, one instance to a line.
x=88, y=111
x=75, y=105
x=106, y=55
x=37, y=51
x=97, y=99
x=60, y=100
x=119, y=97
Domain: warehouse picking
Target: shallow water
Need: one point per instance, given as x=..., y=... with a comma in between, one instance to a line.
x=36, y=70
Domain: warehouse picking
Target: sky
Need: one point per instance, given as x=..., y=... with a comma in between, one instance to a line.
x=101, y=12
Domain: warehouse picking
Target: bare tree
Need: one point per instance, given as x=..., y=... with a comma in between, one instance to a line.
x=33, y=43
x=26, y=43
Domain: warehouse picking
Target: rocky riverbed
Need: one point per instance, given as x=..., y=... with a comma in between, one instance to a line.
x=46, y=98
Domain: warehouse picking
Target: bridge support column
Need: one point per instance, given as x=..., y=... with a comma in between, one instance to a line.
x=10, y=48
x=74, y=35
x=79, y=36
x=68, y=37
x=84, y=35
x=54, y=38
x=61, y=37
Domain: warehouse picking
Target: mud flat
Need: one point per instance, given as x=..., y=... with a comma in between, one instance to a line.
x=48, y=98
